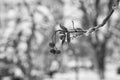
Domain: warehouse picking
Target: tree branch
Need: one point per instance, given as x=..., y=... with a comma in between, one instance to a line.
x=90, y=30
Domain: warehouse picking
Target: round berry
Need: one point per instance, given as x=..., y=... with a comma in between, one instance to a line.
x=53, y=51
x=58, y=51
x=52, y=44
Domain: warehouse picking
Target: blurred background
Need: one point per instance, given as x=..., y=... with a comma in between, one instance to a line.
x=26, y=27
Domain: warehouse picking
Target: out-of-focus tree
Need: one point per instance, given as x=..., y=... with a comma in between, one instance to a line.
x=101, y=38
x=25, y=32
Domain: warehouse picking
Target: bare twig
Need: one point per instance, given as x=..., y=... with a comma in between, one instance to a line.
x=90, y=30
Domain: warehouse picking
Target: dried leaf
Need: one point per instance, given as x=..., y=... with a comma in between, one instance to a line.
x=63, y=40
x=62, y=32
x=63, y=28
x=62, y=37
x=68, y=37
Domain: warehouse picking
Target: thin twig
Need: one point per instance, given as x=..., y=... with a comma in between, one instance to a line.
x=90, y=30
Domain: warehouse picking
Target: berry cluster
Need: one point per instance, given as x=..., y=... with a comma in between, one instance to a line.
x=64, y=37
x=54, y=50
